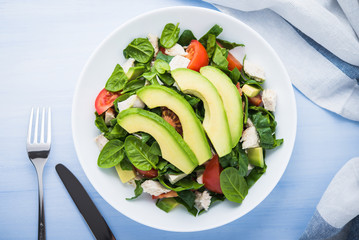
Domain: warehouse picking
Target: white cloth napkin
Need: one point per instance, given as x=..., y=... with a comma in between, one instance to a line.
x=337, y=214
x=334, y=24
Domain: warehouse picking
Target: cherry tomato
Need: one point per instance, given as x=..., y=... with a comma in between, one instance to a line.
x=166, y=195
x=149, y=174
x=256, y=101
x=198, y=56
x=211, y=175
x=104, y=100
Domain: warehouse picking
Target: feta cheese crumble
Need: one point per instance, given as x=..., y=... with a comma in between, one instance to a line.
x=101, y=141
x=154, y=188
x=128, y=64
x=269, y=98
x=254, y=71
x=154, y=42
x=203, y=200
x=133, y=101
x=250, y=138
x=179, y=62
x=176, y=50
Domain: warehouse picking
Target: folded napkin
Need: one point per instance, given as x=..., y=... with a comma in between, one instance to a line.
x=337, y=214
x=317, y=40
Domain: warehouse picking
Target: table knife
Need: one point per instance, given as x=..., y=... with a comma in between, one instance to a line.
x=85, y=205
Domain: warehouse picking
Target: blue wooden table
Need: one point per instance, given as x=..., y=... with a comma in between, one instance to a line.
x=43, y=47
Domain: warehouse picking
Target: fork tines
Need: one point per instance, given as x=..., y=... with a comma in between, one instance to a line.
x=33, y=138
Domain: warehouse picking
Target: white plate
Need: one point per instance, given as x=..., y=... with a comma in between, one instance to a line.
x=100, y=66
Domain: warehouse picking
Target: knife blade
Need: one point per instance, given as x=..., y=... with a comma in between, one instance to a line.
x=85, y=205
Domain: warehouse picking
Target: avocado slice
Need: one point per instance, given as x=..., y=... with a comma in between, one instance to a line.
x=193, y=133
x=250, y=91
x=215, y=120
x=125, y=175
x=173, y=148
x=255, y=156
x=231, y=98
x=134, y=72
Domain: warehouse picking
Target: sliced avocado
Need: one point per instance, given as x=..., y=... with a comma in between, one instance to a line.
x=250, y=91
x=193, y=133
x=255, y=156
x=134, y=72
x=125, y=175
x=231, y=98
x=167, y=204
x=173, y=148
x=215, y=120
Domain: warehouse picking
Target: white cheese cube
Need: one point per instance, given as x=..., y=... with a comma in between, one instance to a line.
x=101, y=141
x=200, y=178
x=254, y=71
x=203, y=200
x=250, y=138
x=249, y=123
x=173, y=178
x=133, y=101
x=269, y=98
x=154, y=42
x=129, y=63
x=179, y=62
x=176, y=50
x=154, y=188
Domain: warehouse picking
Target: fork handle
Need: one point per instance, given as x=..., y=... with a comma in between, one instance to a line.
x=41, y=230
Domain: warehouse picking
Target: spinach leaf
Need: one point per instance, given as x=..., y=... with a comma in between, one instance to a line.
x=111, y=154
x=140, y=49
x=191, y=210
x=229, y=45
x=186, y=38
x=161, y=66
x=116, y=132
x=220, y=57
x=237, y=158
x=215, y=30
x=170, y=35
x=188, y=197
x=191, y=99
x=164, y=57
x=233, y=185
x=181, y=185
x=125, y=164
x=117, y=80
x=133, y=86
x=254, y=175
x=211, y=45
x=138, y=190
x=139, y=154
x=235, y=75
x=166, y=78
x=100, y=123
x=155, y=149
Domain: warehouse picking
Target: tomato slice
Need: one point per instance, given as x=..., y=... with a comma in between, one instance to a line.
x=211, y=175
x=104, y=100
x=256, y=101
x=232, y=61
x=149, y=174
x=166, y=195
x=198, y=56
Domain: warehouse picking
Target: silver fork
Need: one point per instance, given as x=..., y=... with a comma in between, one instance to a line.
x=38, y=151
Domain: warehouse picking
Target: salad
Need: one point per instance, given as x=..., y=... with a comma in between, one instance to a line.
x=185, y=121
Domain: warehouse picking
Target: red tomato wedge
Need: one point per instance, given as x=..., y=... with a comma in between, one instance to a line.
x=232, y=61
x=198, y=56
x=211, y=175
x=104, y=100
x=149, y=174
x=256, y=101
x=166, y=195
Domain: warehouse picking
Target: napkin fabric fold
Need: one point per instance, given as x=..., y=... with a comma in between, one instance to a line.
x=337, y=214
x=317, y=40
